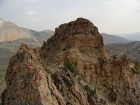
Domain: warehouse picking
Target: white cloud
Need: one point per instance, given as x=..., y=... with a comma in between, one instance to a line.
x=24, y=1
x=28, y=6
x=119, y=16
x=31, y=13
x=127, y=5
x=81, y=2
x=31, y=0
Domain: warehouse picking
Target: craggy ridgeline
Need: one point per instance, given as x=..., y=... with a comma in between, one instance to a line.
x=72, y=68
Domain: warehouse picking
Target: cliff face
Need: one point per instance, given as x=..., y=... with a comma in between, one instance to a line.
x=38, y=76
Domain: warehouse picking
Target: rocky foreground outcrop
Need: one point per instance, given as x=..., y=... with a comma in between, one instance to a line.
x=72, y=68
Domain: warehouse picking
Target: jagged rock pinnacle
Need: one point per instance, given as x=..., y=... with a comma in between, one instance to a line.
x=80, y=34
x=80, y=26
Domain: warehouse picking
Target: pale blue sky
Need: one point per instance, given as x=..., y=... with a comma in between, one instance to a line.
x=110, y=16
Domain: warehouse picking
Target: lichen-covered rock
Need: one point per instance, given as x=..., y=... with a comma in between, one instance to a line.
x=38, y=76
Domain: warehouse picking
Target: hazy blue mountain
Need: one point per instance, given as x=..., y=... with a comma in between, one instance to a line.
x=131, y=36
x=108, y=39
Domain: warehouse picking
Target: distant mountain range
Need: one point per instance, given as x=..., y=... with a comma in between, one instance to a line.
x=10, y=31
x=131, y=36
x=39, y=36
x=132, y=50
x=108, y=39
x=11, y=37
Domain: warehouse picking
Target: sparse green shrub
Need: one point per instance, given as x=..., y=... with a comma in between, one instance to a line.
x=0, y=76
x=45, y=68
x=137, y=67
x=89, y=90
x=30, y=96
x=69, y=66
x=79, y=78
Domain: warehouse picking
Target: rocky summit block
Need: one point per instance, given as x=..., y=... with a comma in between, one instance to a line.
x=72, y=68
x=80, y=35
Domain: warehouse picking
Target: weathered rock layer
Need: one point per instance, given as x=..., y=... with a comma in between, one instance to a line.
x=38, y=76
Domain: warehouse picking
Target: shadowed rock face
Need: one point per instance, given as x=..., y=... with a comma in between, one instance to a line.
x=38, y=77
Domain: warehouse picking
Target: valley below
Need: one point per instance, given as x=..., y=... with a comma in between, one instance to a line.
x=132, y=50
